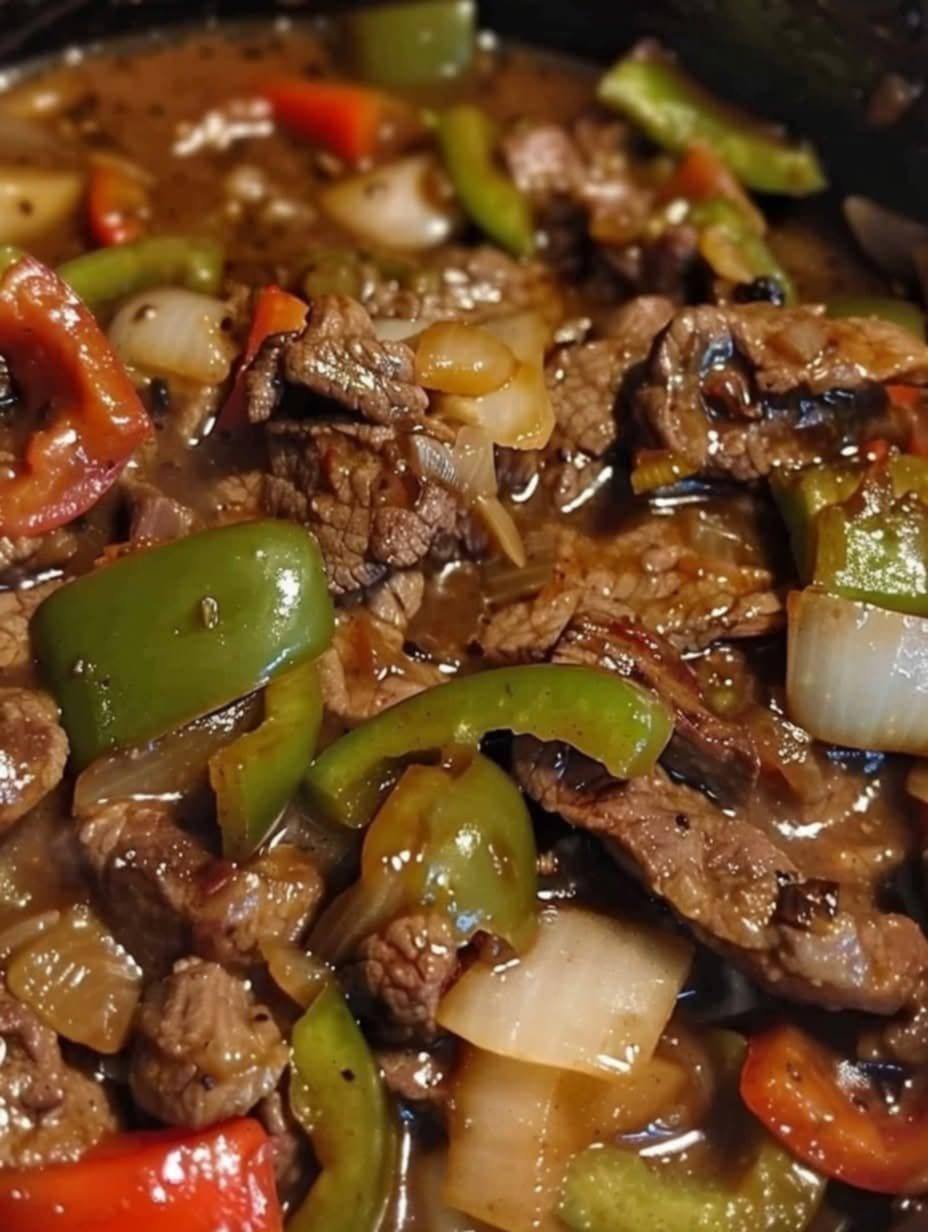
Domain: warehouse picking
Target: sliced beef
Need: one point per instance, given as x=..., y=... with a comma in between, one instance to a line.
x=289, y=1145
x=237, y=497
x=50, y=1111
x=462, y=283
x=16, y=608
x=705, y=749
x=402, y=973
x=271, y=898
x=739, y=391
x=339, y=357
x=660, y=577
x=738, y=890
x=417, y=1075
x=584, y=381
x=204, y=1049
x=367, y=667
x=586, y=166
x=33, y=751
x=353, y=487
x=155, y=517
x=24, y=556
x=164, y=895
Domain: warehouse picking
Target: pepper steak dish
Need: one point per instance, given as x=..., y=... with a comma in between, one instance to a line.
x=464, y=635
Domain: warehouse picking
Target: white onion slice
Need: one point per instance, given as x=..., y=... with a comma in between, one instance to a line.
x=889, y=239
x=34, y=200
x=80, y=981
x=515, y=1126
x=475, y=463
x=407, y=204
x=857, y=675
x=170, y=331
x=527, y=334
x=503, y=530
x=455, y=358
x=396, y=329
x=593, y=994
x=519, y=415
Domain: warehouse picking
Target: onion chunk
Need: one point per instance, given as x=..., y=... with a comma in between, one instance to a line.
x=593, y=994
x=454, y=358
x=857, y=675
x=404, y=205
x=171, y=331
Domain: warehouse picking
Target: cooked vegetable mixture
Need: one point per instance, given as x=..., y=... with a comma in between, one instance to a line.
x=464, y=648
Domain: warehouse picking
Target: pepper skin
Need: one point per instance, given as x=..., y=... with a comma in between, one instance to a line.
x=149, y=642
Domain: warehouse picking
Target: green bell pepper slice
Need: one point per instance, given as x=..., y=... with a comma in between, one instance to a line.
x=610, y=1189
x=256, y=776
x=675, y=112
x=418, y=43
x=900, y=312
x=467, y=139
x=723, y=219
x=157, y=638
x=861, y=532
x=801, y=495
x=114, y=273
x=874, y=548
x=605, y=717
x=456, y=841
x=338, y=1097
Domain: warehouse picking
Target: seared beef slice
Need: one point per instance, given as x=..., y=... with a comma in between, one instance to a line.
x=738, y=391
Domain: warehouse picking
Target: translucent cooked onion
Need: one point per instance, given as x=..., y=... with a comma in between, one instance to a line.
x=562, y=1004
x=396, y=329
x=519, y=415
x=503, y=530
x=889, y=239
x=22, y=931
x=515, y=1126
x=80, y=981
x=428, y=1190
x=857, y=675
x=34, y=200
x=475, y=464
x=171, y=331
x=526, y=334
x=166, y=768
x=455, y=358
x=298, y=973
x=407, y=204
x=467, y=467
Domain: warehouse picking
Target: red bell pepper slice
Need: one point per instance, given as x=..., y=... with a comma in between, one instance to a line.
x=66, y=370
x=702, y=176
x=827, y=1114
x=344, y=119
x=117, y=203
x=219, y=1180
x=276, y=312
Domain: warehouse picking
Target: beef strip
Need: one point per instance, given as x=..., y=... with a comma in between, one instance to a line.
x=33, y=751
x=153, y=516
x=16, y=608
x=50, y=1111
x=655, y=572
x=417, y=1075
x=289, y=1145
x=164, y=895
x=704, y=749
x=584, y=381
x=338, y=356
x=738, y=391
x=204, y=1049
x=462, y=283
x=402, y=973
x=739, y=891
x=353, y=487
x=367, y=668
